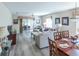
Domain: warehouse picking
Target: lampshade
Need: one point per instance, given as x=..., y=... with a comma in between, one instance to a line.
x=58, y=27
x=3, y=32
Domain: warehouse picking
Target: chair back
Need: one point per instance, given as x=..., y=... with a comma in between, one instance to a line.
x=52, y=48
x=65, y=34
x=57, y=35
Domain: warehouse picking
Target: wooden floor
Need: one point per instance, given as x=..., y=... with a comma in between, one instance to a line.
x=25, y=46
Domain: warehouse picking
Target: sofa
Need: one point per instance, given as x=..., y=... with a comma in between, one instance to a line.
x=42, y=39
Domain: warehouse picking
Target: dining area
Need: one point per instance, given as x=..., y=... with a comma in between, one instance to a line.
x=63, y=44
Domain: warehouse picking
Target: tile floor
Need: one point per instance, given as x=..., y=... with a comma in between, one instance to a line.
x=25, y=46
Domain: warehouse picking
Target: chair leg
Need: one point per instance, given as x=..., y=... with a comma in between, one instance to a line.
x=50, y=53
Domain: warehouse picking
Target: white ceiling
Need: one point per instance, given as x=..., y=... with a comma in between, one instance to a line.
x=38, y=8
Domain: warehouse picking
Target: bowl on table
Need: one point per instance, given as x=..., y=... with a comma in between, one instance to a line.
x=65, y=45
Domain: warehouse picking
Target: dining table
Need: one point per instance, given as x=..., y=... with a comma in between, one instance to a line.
x=66, y=47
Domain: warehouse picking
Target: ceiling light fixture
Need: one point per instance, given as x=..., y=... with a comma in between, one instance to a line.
x=75, y=14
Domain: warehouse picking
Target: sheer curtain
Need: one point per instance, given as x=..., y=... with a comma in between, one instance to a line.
x=28, y=22
x=48, y=23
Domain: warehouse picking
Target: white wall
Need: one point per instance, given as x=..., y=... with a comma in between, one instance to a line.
x=5, y=16
x=5, y=20
x=16, y=26
x=68, y=13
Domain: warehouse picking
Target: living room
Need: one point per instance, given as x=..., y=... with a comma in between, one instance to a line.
x=30, y=24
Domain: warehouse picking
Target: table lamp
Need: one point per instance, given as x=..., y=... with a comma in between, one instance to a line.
x=3, y=33
x=58, y=27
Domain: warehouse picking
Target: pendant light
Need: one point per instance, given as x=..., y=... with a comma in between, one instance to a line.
x=75, y=17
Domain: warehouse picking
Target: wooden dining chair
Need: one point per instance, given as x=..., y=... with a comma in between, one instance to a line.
x=65, y=34
x=52, y=48
x=57, y=35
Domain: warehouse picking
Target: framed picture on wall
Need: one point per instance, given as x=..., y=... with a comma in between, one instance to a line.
x=15, y=21
x=57, y=20
x=65, y=20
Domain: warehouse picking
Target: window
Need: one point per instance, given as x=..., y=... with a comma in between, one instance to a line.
x=28, y=22
x=48, y=23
